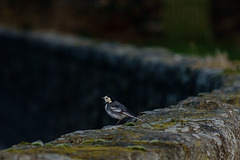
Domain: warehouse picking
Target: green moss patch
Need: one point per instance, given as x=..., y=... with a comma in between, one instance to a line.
x=78, y=152
x=37, y=143
x=130, y=124
x=165, y=125
x=92, y=141
x=141, y=148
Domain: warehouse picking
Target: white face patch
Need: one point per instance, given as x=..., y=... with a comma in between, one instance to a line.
x=107, y=99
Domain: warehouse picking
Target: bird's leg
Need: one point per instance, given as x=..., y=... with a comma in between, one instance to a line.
x=118, y=121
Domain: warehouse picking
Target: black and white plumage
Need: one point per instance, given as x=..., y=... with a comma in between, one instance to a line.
x=117, y=110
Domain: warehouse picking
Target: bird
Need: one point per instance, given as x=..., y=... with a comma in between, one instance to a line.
x=117, y=110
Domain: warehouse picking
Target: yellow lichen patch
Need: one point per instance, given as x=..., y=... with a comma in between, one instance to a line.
x=95, y=141
x=141, y=148
x=93, y=152
x=37, y=143
x=126, y=134
x=76, y=152
x=156, y=141
x=10, y=149
x=49, y=144
x=198, y=144
x=129, y=124
x=198, y=114
x=177, y=120
x=63, y=145
x=165, y=125
x=233, y=100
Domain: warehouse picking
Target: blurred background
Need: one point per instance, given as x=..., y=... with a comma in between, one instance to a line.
x=47, y=90
x=191, y=27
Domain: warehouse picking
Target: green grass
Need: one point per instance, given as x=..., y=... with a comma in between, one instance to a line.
x=195, y=48
x=188, y=30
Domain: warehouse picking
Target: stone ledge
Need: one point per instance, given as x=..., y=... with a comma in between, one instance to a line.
x=201, y=127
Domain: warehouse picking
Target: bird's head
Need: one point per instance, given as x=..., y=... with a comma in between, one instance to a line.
x=107, y=99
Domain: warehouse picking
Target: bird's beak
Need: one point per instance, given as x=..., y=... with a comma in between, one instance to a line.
x=102, y=97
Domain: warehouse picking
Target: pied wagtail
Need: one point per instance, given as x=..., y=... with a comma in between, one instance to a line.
x=117, y=110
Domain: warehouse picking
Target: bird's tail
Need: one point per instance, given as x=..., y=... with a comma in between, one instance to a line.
x=132, y=116
x=140, y=119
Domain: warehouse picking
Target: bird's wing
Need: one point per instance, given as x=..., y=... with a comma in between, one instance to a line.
x=118, y=107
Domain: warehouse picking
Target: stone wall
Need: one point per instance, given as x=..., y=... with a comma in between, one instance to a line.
x=51, y=84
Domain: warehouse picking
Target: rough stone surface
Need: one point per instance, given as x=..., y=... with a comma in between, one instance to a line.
x=205, y=126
